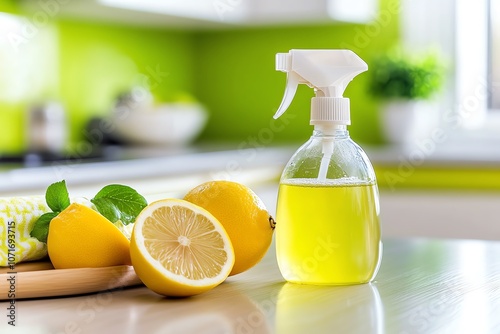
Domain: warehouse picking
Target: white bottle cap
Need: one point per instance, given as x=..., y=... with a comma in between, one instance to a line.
x=330, y=109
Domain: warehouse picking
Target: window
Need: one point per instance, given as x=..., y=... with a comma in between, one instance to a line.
x=494, y=55
x=467, y=34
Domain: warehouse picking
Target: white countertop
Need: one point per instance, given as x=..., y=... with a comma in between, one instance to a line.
x=424, y=286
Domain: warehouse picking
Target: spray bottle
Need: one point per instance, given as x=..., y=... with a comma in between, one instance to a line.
x=328, y=202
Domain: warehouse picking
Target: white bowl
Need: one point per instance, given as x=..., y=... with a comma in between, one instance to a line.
x=168, y=124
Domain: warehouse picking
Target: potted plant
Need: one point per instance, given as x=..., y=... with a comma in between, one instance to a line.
x=404, y=84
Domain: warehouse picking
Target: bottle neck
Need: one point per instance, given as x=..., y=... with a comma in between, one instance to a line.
x=335, y=131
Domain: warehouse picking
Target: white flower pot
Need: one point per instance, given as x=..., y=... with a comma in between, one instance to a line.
x=405, y=121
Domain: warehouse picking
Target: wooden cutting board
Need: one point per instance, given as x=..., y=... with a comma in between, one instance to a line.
x=40, y=279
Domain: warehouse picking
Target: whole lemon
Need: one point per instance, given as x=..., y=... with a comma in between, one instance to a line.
x=80, y=237
x=243, y=215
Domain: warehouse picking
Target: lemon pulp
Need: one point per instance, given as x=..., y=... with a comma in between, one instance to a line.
x=180, y=249
x=188, y=245
x=328, y=233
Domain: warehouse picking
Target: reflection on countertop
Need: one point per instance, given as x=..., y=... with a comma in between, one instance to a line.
x=300, y=308
x=423, y=286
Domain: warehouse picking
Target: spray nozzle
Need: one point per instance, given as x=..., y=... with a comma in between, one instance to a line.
x=328, y=72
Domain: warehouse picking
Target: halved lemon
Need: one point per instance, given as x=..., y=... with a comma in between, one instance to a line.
x=180, y=249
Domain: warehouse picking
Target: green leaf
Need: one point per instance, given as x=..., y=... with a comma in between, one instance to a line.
x=57, y=199
x=41, y=227
x=57, y=196
x=107, y=208
x=119, y=202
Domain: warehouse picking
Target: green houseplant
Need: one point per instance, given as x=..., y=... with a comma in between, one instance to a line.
x=404, y=84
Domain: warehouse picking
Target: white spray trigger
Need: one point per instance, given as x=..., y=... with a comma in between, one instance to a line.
x=328, y=72
x=292, y=82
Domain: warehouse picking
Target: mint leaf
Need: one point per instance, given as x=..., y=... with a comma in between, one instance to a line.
x=57, y=199
x=57, y=196
x=41, y=227
x=119, y=202
x=107, y=208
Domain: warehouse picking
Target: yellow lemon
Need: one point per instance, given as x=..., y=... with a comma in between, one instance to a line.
x=180, y=249
x=80, y=237
x=243, y=215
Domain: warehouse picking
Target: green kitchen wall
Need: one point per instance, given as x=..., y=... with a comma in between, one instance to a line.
x=11, y=123
x=230, y=71
x=27, y=66
x=98, y=62
x=90, y=64
x=236, y=78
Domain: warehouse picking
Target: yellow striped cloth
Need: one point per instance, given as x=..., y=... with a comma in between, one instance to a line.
x=17, y=217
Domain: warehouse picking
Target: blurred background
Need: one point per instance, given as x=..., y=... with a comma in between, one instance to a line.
x=130, y=81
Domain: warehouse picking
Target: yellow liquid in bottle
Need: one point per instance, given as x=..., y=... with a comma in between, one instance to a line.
x=328, y=233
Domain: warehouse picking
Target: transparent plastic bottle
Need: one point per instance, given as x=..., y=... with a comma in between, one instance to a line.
x=328, y=229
